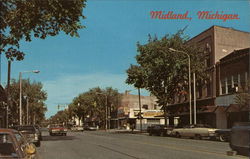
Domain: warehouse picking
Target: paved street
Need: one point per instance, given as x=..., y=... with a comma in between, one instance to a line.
x=103, y=145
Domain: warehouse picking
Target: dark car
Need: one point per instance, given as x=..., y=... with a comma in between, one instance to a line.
x=14, y=145
x=30, y=132
x=240, y=138
x=223, y=134
x=161, y=130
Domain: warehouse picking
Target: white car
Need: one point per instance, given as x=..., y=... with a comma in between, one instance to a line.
x=195, y=131
x=76, y=128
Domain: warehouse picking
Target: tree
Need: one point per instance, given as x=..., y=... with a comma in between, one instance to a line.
x=60, y=117
x=36, y=97
x=92, y=104
x=24, y=19
x=162, y=72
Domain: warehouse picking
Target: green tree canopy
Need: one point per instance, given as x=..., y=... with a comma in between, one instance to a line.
x=24, y=19
x=36, y=98
x=93, y=103
x=164, y=72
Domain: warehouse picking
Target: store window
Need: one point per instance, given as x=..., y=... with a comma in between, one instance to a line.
x=229, y=85
x=223, y=86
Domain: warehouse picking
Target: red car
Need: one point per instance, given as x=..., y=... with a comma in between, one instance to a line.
x=14, y=145
x=57, y=129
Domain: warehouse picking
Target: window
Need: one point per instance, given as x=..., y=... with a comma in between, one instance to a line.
x=223, y=86
x=208, y=88
x=199, y=91
x=155, y=106
x=235, y=83
x=145, y=106
x=229, y=85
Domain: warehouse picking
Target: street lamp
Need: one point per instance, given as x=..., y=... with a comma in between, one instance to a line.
x=189, y=81
x=106, y=110
x=20, y=93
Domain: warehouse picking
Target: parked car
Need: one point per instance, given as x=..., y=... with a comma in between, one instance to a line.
x=39, y=131
x=14, y=145
x=223, y=134
x=30, y=132
x=76, y=128
x=161, y=130
x=195, y=131
x=90, y=128
x=57, y=129
x=240, y=138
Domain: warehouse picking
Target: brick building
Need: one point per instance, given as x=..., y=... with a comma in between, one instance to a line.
x=217, y=42
x=233, y=72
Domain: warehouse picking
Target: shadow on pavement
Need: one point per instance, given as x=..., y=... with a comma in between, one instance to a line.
x=57, y=138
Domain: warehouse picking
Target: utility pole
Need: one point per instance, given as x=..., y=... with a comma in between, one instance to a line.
x=20, y=98
x=195, y=115
x=8, y=94
x=106, y=113
x=20, y=93
x=27, y=110
x=140, y=117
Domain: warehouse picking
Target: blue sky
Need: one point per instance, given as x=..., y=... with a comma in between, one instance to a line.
x=107, y=46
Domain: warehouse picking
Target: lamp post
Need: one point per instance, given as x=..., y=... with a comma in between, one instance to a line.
x=189, y=82
x=139, y=94
x=106, y=110
x=20, y=93
x=27, y=109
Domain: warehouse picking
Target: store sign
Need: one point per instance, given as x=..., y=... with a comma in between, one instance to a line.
x=152, y=113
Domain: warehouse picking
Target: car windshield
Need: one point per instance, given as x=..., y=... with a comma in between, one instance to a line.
x=6, y=146
x=26, y=128
x=56, y=126
x=202, y=126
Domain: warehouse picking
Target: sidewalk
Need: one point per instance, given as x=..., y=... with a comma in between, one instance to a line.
x=127, y=131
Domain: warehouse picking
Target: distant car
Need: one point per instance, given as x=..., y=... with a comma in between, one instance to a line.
x=14, y=145
x=195, y=131
x=57, y=129
x=161, y=130
x=77, y=128
x=30, y=132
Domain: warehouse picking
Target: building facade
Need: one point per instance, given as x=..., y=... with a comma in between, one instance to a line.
x=233, y=91
x=128, y=112
x=216, y=43
x=3, y=104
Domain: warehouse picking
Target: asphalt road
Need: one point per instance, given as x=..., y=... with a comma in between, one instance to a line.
x=110, y=145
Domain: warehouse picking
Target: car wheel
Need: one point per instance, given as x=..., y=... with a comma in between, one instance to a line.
x=177, y=135
x=222, y=138
x=197, y=137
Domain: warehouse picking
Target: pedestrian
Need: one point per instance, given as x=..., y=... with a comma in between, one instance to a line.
x=132, y=127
